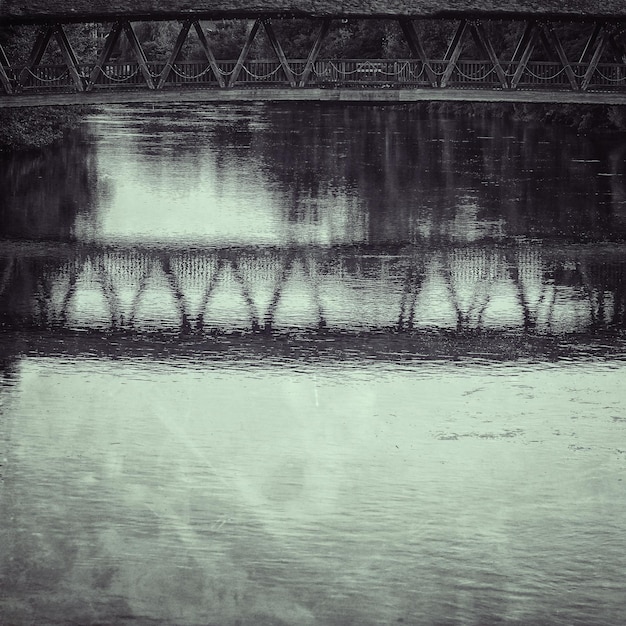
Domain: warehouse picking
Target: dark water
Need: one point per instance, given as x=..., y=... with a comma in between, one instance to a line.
x=313, y=365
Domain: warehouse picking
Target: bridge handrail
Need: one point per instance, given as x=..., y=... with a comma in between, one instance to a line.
x=376, y=72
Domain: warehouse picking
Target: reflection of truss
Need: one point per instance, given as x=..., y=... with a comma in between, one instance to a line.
x=266, y=289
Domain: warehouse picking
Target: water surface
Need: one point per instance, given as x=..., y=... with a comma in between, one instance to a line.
x=312, y=365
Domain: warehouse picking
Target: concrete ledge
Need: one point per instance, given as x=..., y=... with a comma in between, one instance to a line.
x=287, y=94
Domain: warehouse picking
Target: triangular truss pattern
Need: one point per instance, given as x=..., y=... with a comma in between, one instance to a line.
x=475, y=28
x=276, y=47
x=601, y=66
x=180, y=42
x=417, y=49
x=533, y=33
x=605, y=39
x=109, y=47
x=315, y=51
x=40, y=46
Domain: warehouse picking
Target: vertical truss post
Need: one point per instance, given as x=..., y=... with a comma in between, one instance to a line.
x=278, y=51
x=314, y=52
x=105, y=55
x=595, y=59
x=244, y=52
x=209, y=53
x=591, y=42
x=454, y=52
x=484, y=44
x=178, y=46
x=69, y=56
x=555, y=42
x=39, y=47
x=530, y=39
x=417, y=49
x=140, y=55
x=5, y=67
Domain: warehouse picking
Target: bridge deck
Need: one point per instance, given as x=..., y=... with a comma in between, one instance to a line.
x=288, y=94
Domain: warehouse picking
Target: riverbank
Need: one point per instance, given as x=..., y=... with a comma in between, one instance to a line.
x=33, y=128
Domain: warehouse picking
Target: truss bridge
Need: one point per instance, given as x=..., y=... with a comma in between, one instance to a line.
x=501, y=53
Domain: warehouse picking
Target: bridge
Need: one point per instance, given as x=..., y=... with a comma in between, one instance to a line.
x=557, y=52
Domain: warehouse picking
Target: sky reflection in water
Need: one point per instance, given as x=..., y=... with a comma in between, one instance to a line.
x=319, y=365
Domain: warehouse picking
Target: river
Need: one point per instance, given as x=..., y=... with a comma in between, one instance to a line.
x=301, y=364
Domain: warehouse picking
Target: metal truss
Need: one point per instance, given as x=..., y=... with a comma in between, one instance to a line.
x=599, y=67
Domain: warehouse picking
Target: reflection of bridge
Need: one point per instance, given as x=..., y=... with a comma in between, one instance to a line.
x=207, y=291
x=475, y=65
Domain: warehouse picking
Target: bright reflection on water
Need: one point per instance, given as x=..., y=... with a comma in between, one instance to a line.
x=312, y=365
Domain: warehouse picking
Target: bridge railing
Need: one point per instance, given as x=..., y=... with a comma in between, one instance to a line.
x=609, y=76
x=354, y=72
x=43, y=77
x=383, y=73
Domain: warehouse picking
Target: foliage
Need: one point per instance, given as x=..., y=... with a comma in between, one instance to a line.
x=26, y=128
x=37, y=127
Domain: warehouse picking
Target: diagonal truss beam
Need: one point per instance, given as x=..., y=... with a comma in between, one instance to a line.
x=417, y=49
x=601, y=43
x=484, y=45
x=524, y=51
x=39, y=47
x=180, y=42
x=278, y=51
x=139, y=53
x=244, y=52
x=554, y=41
x=523, y=41
x=5, y=68
x=314, y=52
x=178, y=46
x=109, y=46
x=546, y=33
x=105, y=55
x=69, y=56
x=591, y=42
x=209, y=53
x=454, y=51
